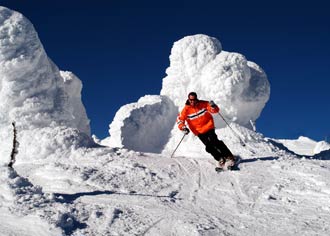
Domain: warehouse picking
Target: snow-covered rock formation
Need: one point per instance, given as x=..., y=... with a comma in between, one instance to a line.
x=44, y=102
x=197, y=63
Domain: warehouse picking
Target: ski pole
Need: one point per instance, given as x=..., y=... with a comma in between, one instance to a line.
x=240, y=140
x=178, y=145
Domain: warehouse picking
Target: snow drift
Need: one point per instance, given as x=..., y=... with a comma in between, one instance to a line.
x=197, y=63
x=34, y=92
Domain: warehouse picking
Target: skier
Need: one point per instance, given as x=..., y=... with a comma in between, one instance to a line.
x=197, y=114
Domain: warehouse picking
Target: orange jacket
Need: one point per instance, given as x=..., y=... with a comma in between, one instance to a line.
x=198, y=117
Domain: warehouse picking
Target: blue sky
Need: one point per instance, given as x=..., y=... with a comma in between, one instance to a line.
x=120, y=50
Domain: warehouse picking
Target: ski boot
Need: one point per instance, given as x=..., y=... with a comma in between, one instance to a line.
x=230, y=162
x=221, y=165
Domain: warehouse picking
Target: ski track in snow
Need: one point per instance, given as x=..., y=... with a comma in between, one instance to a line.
x=134, y=193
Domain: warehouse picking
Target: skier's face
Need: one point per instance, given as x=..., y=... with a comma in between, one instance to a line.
x=192, y=100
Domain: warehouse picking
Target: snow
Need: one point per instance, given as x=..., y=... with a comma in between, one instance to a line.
x=64, y=184
x=33, y=91
x=305, y=146
x=198, y=63
x=144, y=125
x=320, y=147
x=115, y=191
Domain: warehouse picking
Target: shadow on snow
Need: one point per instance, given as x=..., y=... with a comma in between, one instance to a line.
x=247, y=160
x=70, y=198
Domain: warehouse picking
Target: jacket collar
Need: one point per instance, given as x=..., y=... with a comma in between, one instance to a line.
x=188, y=103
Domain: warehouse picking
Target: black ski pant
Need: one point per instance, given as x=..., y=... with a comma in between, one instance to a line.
x=214, y=146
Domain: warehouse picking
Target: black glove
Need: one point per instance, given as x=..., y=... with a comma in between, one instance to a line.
x=212, y=104
x=185, y=131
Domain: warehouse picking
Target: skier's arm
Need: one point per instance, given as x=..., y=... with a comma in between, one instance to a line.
x=212, y=107
x=181, y=119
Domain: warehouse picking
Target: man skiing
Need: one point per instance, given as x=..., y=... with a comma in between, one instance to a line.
x=197, y=114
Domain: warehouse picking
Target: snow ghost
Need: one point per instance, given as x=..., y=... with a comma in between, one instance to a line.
x=238, y=86
x=144, y=125
x=33, y=92
x=197, y=63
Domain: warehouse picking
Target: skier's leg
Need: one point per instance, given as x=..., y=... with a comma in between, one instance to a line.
x=224, y=149
x=220, y=145
x=230, y=160
x=209, y=146
x=225, y=153
x=215, y=152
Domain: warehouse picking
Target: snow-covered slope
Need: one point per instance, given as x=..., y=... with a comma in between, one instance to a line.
x=104, y=191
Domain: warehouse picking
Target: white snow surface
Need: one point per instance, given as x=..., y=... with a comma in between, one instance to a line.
x=305, y=146
x=238, y=86
x=61, y=184
x=115, y=191
x=144, y=125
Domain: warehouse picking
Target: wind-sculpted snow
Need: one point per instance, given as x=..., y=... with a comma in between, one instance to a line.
x=33, y=92
x=310, y=147
x=145, y=125
x=321, y=146
x=197, y=63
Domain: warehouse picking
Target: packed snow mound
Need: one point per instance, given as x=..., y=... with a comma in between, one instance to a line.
x=321, y=146
x=305, y=146
x=197, y=63
x=144, y=125
x=52, y=141
x=34, y=93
